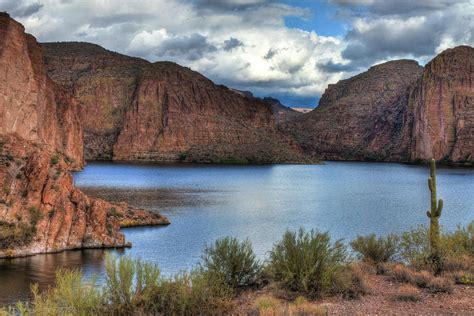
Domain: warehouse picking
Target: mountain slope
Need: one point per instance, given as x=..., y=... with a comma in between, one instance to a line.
x=359, y=118
x=135, y=110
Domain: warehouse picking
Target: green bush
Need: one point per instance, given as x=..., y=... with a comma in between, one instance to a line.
x=54, y=159
x=15, y=235
x=233, y=262
x=129, y=283
x=459, y=242
x=195, y=293
x=415, y=246
x=376, y=250
x=70, y=296
x=455, y=248
x=306, y=261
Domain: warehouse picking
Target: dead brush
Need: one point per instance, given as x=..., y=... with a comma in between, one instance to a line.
x=407, y=293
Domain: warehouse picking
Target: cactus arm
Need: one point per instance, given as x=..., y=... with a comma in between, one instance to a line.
x=440, y=207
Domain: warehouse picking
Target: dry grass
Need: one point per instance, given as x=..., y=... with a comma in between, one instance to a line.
x=407, y=293
x=302, y=307
x=441, y=285
x=267, y=305
x=401, y=273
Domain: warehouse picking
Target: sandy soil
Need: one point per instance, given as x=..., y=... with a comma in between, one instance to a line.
x=380, y=301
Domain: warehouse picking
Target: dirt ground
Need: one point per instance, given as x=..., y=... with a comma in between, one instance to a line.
x=380, y=300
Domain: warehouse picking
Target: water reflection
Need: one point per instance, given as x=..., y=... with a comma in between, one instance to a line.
x=17, y=274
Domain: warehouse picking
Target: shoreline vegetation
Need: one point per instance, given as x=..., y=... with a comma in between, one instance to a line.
x=302, y=271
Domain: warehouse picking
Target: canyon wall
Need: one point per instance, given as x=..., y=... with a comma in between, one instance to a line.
x=135, y=110
x=396, y=111
x=40, y=142
x=33, y=106
x=360, y=118
x=440, y=115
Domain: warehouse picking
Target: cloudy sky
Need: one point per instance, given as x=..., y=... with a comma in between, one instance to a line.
x=290, y=49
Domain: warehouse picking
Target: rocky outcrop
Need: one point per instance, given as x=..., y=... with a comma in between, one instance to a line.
x=440, y=115
x=40, y=141
x=41, y=210
x=135, y=110
x=360, y=118
x=32, y=106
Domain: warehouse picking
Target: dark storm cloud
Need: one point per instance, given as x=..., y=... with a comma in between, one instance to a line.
x=224, y=5
x=385, y=40
x=20, y=8
x=396, y=7
x=232, y=43
x=403, y=28
x=332, y=67
x=270, y=54
x=191, y=47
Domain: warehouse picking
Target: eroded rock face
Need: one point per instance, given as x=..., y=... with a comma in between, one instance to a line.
x=136, y=110
x=41, y=210
x=360, y=118
x=40, y=141
x=440, y=116
x=32, y=106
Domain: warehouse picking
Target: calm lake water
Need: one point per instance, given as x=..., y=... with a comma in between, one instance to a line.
x=259, y=202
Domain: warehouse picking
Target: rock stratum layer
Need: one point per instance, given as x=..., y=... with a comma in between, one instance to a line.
x=396, y=111
x=40, y=141
x=132, y=109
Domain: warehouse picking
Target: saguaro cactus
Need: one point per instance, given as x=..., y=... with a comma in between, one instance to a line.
x=434, y=214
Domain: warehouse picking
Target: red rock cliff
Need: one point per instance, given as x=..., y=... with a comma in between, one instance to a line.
x=32, y=106
x=136, y=110
x=40, y=141
x=359, y=118
x=440, y=117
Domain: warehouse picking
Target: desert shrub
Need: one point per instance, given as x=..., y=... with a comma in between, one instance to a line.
x=415, y=246
x=129, y=283
x=464, y=278
x=459, y=242
x=455, y=248
x=350, y=281
x=376, y=250
x=194, y=293
x=422, y=279
x=407, y=293
x=35, y=215
x=268, y=305
x=54, y=159
x=459, y=262
x=441, y=285
x=70, y=296
x=232, y=261
x=306, y=261
x=301, y=306
x=401, y=273
x=15, y=235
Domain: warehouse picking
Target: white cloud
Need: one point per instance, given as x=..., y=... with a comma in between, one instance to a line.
x=246, y=44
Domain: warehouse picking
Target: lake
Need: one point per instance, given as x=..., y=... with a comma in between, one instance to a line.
x=259, y=202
